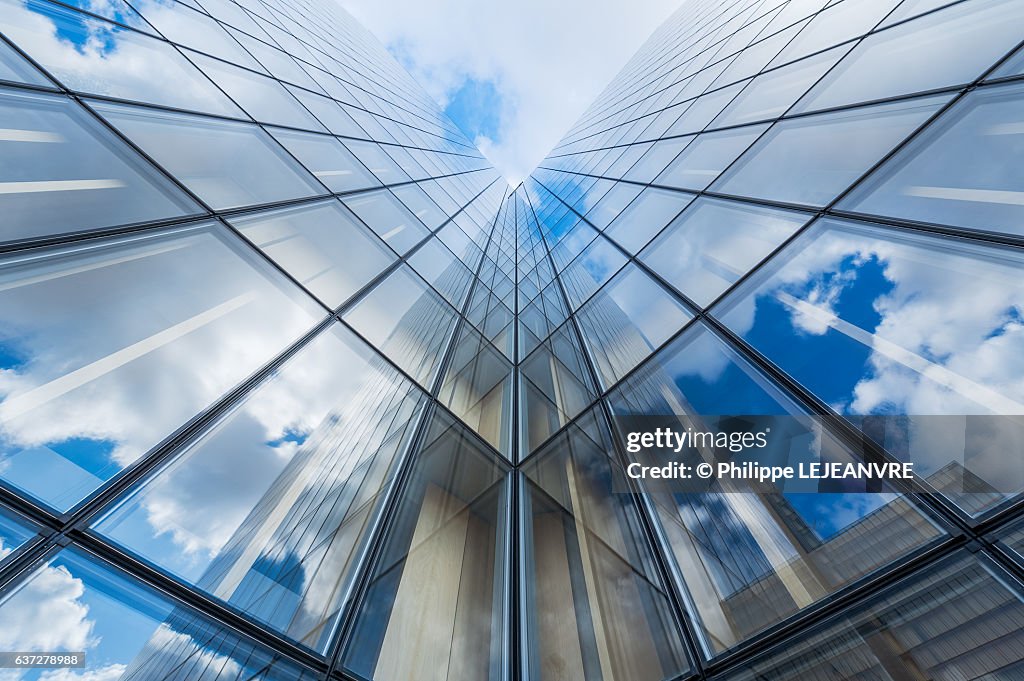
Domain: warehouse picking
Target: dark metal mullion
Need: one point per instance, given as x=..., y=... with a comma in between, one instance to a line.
x=809, y=400
x=393, y=495
x=679, y=612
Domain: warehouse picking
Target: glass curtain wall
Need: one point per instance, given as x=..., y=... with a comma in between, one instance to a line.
x=294, y=386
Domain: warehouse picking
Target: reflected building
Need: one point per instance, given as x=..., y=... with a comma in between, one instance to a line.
x=293, y=386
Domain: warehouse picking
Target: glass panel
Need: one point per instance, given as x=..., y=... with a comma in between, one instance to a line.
x=714, y=243
x=328, y=112
x=240, y=164
x=14, y=532
x=127, y=631
x=593, y=603
x=434, y=608
x=750, y=556
x=326, y=249
x=839, y=22
x=89, y=55
x=319, y=443
x=264, y=99
x=591, y=270
x=656, y=158
x=612, y=203
x=771, y=94
x=959, y=620
x=811, y=160
x=647, y=216
x=110, y=346
x=478, y=389
x=379, y=163
x=61, y=171
x=556, y=386
x=194, y=29
x=1012, y=540
x=14, y=68
x=443, y=271
x=908, y=324
x=963, y=170
x=627, y=320
x=703, y=110
x=421, y=205
x=949, y=47
x=327, y=159
x=708, y=155
x=407, y=321
x=389, y=218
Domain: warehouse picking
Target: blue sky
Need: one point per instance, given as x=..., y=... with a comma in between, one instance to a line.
x=513, y=76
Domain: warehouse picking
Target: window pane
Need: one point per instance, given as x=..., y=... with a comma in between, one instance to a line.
x=591, y=270
x=964, y=170
x=958, y=620
x=263, y=98
x=327, y=159
x=714, y=243
x=240, y=164
x=443, y=271
x=388, y=218
x=949, y=47
x=92, y=56
x=379, y=163
x=555, y=387
x=323, y=246
x=811, y=160
x=14, y=68
x=318, y=443
x=127, y=631
x=594, y=604
x=194, y=29
x=14, y=532
x=612, y=203
x=751, y=556
x=406, y=321
x=627, y=320
x=421, y=205
x=435, y=601
x=707, y=156
x=771, y=94
x=908, y=324
x=647, y=216
x=478, y=389
x=63, y=172
x=110, y=346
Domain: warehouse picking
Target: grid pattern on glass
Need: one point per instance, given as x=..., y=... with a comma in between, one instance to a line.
x=406, y=340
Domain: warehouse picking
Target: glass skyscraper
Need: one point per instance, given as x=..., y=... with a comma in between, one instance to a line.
x=294, y=386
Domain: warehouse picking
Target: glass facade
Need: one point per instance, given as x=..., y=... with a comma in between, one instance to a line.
x=294, y=386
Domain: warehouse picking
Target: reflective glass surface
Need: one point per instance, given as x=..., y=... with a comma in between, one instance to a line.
x=61, y=171
x=389, y=219
x=948, y=47
x=714, y=243
x=322, y=245
x=646, y=216
x=92, y=378
x=240, y=164
x=14, y=532
x=748, y=560
x=73, y=602
x=705, y=158
x=100, y=58
x=281, y=541
x=962, y=171
x=921, y=628
x=908, y=326
x=434, y=602
x=811, y=160
x=407, y=321
x=595, y=605
x=328, y=160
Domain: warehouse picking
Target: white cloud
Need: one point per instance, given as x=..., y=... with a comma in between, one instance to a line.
x=549, y=60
